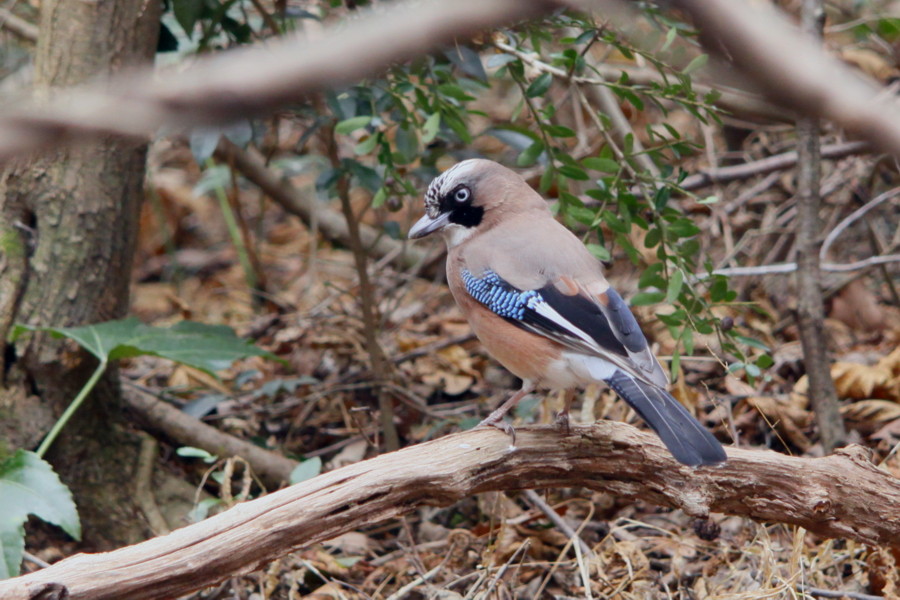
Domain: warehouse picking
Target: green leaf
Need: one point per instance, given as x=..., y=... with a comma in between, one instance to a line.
x=603, y=165
x=764, y=361
x=530, y=155
x=599, y=252
x=352, y=124
x=306, y=470
x=407, y=141
x=366, y=146
x=379, y=197
x=647, y=298
x=28, y=485
x=684, y=228
x=697, y=63
x=576, y=173
x=187, y=12
x=451, y=90
x=431, y=127
x=559, y=131
x=539, y=86
x=209, y=348
x=752, y=342
x=675, y=283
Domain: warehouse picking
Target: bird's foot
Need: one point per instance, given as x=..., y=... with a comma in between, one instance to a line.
x=562, y=422
x=497, y=421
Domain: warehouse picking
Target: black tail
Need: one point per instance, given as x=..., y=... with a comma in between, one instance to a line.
x=688, y=441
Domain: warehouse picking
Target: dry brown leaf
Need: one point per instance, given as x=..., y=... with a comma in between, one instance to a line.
x=871, y=411
x=786, y=416
x=858, y=381
x=869, y=62
x=857, y=307
x=736, y=387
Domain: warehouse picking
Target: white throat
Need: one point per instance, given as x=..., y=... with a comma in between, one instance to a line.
x=455, y=234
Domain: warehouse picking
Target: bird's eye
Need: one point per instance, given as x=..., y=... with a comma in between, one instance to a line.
x=462, y=195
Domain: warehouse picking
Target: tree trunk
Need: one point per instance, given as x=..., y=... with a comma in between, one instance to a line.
x=67, y=231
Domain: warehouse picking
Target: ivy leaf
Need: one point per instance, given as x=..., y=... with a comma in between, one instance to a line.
x=209, y=348
x=28, y=485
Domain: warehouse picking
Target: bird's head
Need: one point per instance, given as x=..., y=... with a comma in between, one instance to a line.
x=472, y=195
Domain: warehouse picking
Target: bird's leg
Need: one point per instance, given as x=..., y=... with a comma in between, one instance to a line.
x=562, y=418
x=495, y=419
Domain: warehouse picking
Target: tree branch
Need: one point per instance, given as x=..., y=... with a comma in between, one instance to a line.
x=331, y=224
x=793, y=70
x=252, y=81
x=842, y=495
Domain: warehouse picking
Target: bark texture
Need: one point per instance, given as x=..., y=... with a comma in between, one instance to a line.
x=842, y=495
x=67, y=231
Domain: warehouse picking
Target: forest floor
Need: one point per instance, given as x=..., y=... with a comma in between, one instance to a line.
x=321, y=406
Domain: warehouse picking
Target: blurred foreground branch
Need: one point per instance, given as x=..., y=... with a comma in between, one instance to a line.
x=241, y=83
x=842, y=495
x=793, y=70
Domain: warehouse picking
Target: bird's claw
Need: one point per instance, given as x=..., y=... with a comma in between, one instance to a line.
x=562, y=423
x=499, y=423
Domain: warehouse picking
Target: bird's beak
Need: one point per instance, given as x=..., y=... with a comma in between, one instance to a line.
x=426, y=225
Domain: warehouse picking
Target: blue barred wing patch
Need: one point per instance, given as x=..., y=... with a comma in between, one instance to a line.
x=500, y=297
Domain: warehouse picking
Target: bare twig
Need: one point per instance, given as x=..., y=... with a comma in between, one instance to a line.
x=779, y=162
x=331, y=224
x=853, y=217
x=368, y=304
x=810, y=305
x=842, y=495
x=787, y=268
x=274, y=469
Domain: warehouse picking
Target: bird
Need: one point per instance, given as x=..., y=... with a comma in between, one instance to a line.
x=538, y=301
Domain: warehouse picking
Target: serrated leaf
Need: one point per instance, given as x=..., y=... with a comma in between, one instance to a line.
x=539, y=86
x=352, y=124
x=209, y=348
x=28, y=486
x=306, y=470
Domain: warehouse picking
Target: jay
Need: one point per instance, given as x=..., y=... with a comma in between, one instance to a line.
x=538, y=301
